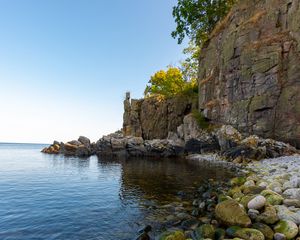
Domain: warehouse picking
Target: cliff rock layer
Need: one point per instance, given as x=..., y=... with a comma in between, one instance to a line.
x=152, y=118
x=249, y=73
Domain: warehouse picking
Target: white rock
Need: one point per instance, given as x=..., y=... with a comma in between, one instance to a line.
x=295, y=182
x=279, y=236
x=287, y=185
x=284, y=213
x=249, y=183
x=292, y=193
x=257, y=203
x=278, y=190
x=263, y=184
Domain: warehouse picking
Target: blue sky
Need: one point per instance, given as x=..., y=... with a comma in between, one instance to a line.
x=65, y=65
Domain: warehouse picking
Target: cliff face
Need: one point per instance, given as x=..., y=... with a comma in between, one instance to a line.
x=249, y=73
x=151, y=118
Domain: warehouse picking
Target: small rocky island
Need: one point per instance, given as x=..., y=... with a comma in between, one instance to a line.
x=246, y=116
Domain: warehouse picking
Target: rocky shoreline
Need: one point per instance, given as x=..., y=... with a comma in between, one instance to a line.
x=262, y=202
x=189, y=139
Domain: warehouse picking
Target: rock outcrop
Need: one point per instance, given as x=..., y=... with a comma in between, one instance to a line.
x=249, y=73
x=188, y=139
x=153, y=118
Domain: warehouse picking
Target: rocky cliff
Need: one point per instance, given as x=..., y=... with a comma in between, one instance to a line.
x=249, y=73
x=153, y=118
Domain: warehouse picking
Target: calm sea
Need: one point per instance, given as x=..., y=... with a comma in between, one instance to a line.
x=55, y=197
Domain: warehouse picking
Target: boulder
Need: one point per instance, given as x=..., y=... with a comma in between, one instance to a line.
x=285, y=214
x=205, y=231
x=69, y=149
x=230, y=213
x=83, y=151
x=293, y=193
x=74, y=142
x=288, y=228
x=190, y=127
x=84, y=140
x=268, y=216
x=228, y=137
x=292, y=202
x=265, y=230
x=272, y=197
x=249, y=233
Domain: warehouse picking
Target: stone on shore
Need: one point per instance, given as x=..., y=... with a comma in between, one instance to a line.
x=288, y=228
x=231, y=213
x=245, y=233
x=265, y=230
x=257, y=203
x=272, y=197
x=268, y=216
x=284, y=213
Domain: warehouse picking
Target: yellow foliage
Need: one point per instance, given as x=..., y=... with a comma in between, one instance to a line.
x=169, y=83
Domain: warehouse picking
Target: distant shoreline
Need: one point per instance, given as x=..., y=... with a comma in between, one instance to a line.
x=9, y=143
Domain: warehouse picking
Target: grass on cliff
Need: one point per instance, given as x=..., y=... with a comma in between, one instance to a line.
x=202, y=122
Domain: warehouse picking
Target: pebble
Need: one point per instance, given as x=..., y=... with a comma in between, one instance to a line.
x=277, y=190
x=279, y=236
x=253, y=214
x=249, y=183
x=292, y=193
x=263, y=184
x=257, y=203
x=292, y=202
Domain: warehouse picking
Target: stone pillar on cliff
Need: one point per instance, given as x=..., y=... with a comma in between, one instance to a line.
x=126, y=115
x=131, y=117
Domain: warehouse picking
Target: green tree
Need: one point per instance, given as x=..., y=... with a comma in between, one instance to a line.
x=197, y=18
x=189, y=67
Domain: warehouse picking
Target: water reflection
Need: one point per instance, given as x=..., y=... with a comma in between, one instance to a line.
x=161, y=180
x=55, y=197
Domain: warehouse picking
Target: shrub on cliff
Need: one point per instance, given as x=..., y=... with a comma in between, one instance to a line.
x=170, y=83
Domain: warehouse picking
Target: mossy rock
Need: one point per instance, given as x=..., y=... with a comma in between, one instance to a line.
x=234, y=191
x=222, y=198
x=205, y=231
x=272, y=198
x=246, y=199
x=249, y=234
x=231, y=231
x=265, y=229
x=238, y=196
x=252, y=189
x=219, y=234
x=230, y=213
x=288, y=228
x=237, y=181
x=269, y=215
x=177, y=235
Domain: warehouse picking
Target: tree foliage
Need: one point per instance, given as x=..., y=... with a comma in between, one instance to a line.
x=169, y=83
x=189, y=67
x=197, y=18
